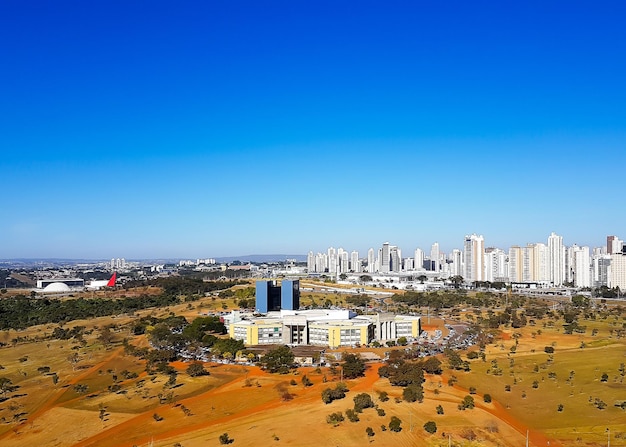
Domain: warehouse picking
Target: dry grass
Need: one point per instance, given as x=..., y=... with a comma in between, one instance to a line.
x=249, y=404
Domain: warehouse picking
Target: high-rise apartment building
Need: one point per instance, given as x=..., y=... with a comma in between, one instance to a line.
x=600, y=267
x=355, y=262
x=474, y=257
x=516, y=263
x=456, y=263
x=580, y=263
x=617, y=277
x=385, y=258
x=496, y=268
x=418, y=259
x=434, y=257
x=556, y=260
x=371, y=261
x=395, y=259
x=613, y=245
x=310, y=262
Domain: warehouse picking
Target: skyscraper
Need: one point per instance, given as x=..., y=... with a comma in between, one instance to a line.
x=456, y=267
x=434, y=257
x=474, y=256
x=613, y=245
x=582, y=267
x=385, y=258
x=355, y=263
x=418, y=259
x=556, y=259
x=371, y=261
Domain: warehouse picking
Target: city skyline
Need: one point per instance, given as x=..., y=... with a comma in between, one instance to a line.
x=149, y=130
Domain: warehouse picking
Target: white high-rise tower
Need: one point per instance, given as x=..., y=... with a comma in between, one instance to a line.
x=474, y=255
x=556, y=259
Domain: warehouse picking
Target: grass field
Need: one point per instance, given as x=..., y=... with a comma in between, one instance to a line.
x=88, y=393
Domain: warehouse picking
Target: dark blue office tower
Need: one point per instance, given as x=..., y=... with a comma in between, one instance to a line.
x=270, y=297
x=290, y=294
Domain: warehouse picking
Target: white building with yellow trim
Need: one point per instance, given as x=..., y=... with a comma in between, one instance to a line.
x=321, y=327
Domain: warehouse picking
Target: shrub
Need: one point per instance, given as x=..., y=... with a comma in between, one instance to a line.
x=224, y=439
x=439, y=409
x=362, y=401
x=370, y=432
x=487, y=398
x=329, y=394
x=413, y=392
x=196, y=369
x=335, y=418
x=383, y=396
x=352, y=415
x=395, y=424
x=430, y=427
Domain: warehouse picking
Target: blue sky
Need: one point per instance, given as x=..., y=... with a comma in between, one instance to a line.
x=151, y=129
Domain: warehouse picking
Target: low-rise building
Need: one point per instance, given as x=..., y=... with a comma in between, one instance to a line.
x=321, y=327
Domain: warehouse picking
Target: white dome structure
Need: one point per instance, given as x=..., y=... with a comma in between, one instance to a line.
x=57, y=287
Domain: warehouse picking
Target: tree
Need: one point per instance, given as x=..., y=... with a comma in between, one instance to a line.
x=468, y=402
x=278, y=360
x=329, y=394
x=456, y=281
x=106, y=336
x=370, y=432
x=6, y=386
x=225, y=439
x=352, y=415
x=335, y=418
x=413, y=392
x=432, y=365
x=362, y=401
x=439, y=409
x=353, y=366
x=197, y=369
x=487, y=398
x=395, y=424
x=430, y=427
x=605, y=377
x=383, y=396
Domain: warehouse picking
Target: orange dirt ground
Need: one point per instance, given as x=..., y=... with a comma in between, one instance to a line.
x=258, y=414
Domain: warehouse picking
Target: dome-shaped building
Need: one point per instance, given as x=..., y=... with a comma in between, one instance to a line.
x=56, y=287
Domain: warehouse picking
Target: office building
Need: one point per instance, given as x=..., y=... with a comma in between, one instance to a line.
x=271, y=297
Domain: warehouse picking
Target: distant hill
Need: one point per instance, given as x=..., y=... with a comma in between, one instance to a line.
x=29, y=262
x=262, y=258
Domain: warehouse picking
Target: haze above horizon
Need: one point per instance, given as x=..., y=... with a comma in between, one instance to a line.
x=212, y=129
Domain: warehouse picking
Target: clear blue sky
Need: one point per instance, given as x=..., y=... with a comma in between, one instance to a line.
x=145, y=129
